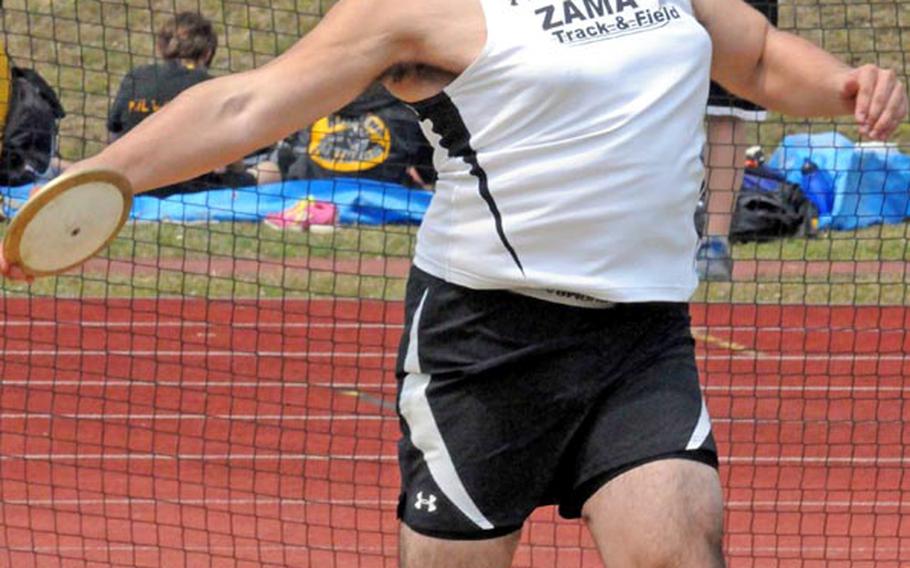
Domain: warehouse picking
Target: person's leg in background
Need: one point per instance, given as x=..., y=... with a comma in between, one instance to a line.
x=727, y=122
x=727, y=141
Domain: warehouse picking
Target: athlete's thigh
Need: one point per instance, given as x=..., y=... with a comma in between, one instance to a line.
x=664, y=513
x=655, y=410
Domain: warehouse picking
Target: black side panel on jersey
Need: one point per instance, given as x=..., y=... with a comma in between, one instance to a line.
x=456, y=139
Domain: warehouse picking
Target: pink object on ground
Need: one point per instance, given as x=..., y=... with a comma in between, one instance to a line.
x=318, y=216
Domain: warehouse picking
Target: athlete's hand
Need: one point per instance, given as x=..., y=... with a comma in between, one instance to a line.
x=13, y=271
x=878, y=99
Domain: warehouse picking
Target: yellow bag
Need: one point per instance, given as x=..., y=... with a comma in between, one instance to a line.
x=6, y=87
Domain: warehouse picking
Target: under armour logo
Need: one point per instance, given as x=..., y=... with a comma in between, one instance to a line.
x=429, y=503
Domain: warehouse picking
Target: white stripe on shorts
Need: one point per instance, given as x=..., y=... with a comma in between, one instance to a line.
x=736, y=112
x=702, y=429
x=425, y=435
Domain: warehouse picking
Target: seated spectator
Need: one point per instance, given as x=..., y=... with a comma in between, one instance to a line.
x=375, y=137
x=187, y=46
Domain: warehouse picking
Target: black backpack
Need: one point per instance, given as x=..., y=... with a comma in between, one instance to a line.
x=30, y=133
x=769, y=207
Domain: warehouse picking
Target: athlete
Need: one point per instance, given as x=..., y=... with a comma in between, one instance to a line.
x=547, y=356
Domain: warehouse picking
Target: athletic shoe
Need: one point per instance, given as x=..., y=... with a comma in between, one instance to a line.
x=317, y=216
x=713, y=260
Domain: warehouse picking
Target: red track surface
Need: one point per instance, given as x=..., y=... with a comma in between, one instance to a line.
x=195, y=433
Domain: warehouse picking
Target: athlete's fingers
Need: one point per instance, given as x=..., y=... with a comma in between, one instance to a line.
x=886, y=123
x=894, y=113
x=12, y=271
x=849, y=92
x=885, y=81
x=4, y=265
x=859, y=86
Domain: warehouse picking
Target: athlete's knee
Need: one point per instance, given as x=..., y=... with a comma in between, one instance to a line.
x=697, y=524
x=420, y=551
x=664, y=514
x=696, y=541
x=701, y=543
x=691, y=541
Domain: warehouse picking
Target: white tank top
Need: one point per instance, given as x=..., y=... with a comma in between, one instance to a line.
x=569, y=153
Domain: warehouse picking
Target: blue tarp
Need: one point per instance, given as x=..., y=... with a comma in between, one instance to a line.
x=861, y=186
x=360, y=202
x=869, y=184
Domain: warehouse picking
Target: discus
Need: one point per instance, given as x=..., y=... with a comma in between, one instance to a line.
x=68, y=221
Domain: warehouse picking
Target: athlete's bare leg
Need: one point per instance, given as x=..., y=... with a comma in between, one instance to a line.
x=419, y=551
x=726, y=147
x=666, y=513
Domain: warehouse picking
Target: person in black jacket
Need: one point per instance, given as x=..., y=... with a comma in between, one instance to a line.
x=187, y=45
x=374, y=137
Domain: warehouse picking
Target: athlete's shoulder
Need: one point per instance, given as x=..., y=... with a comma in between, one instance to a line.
x=703, y=10
x=418, y=31
x=400, y=19
x=724, y=13
x=394, y=17
x=387, y=26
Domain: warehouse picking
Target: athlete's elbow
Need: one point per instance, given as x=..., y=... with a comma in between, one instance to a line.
x=237, y=113
x=213, y=105
x=235, y=104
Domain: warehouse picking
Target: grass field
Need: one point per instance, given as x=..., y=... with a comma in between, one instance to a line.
x=250, y=260
x=239, y=260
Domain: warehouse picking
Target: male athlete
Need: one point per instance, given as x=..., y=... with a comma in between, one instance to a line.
x=547, y=356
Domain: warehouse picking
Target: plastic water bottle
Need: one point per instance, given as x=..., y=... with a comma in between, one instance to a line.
x=818, y=186
x=755, y=157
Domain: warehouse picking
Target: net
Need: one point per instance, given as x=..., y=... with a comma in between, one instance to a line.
x=217, y=389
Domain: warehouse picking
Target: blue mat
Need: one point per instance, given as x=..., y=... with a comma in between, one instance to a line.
x=360, y=202
x=862, y=186
x=867, y=185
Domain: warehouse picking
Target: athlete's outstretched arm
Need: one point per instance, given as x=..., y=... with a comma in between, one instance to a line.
x=788, y=74
x=220, y=121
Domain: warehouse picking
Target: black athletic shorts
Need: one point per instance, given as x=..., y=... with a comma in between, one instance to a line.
x=508, y=403
x=723, y=103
